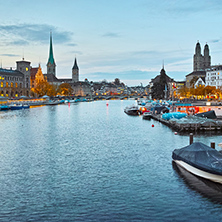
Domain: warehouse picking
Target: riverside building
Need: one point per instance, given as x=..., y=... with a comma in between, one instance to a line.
x=214, y=76
x=15, y=83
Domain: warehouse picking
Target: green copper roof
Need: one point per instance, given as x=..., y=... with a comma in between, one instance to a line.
x=51, y=58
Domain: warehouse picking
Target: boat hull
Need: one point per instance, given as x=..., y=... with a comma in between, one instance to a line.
x=213, y=177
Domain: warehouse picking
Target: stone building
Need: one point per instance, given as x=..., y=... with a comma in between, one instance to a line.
x=200, y=64
x=15, y=83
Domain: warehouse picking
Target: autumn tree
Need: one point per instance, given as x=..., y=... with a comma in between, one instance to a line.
x=65, y=89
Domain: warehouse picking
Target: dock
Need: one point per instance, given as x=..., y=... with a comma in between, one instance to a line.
x=215, y=125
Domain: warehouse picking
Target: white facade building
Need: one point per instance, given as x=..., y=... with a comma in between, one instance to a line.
x=214, y=76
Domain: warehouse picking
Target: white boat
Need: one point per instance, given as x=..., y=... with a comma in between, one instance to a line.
x=200, y=160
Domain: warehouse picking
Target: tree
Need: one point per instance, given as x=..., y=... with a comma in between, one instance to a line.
x=52, y=90
x=117, y=81
x=65, y=89
x=41, y=88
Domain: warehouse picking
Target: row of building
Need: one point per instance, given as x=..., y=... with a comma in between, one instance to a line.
x=203, y=74
x=18, y=82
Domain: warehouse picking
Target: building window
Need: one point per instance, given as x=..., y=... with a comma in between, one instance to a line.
x=6, y=84
x=16, y=85
x=2, y=84
x=12, y=84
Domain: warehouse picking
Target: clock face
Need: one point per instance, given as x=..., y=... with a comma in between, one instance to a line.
x=27, y=69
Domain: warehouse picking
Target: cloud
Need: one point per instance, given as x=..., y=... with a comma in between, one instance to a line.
x=34, y=33
x=19, y=42
x=111, y=35
x=9, y=55
x=214, y=40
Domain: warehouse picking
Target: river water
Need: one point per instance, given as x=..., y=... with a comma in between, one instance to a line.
x=92, y=162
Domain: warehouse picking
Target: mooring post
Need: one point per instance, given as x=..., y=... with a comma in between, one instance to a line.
x=212, y=145
x=191, y=138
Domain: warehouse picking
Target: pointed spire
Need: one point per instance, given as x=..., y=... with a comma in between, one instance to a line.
x=163, y=64
x=75, y=66
x=51, y=58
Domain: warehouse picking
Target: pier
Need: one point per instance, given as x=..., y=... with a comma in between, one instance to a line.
x=189, y=127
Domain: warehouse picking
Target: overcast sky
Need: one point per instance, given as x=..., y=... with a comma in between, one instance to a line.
x=125, y=39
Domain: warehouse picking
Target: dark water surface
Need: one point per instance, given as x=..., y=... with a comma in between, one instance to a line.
x=90, y=162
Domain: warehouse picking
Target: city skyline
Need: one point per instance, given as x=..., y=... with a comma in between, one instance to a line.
x=128, y=40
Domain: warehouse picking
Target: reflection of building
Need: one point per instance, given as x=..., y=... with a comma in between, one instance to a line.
x=15, y=83
x=200, y=63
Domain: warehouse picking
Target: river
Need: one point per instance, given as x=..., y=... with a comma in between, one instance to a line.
x=92, y=162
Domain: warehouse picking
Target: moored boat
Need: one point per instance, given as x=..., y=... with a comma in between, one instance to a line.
x=19, y=106
x=147, y=115
x=201, y=160
x=132, y=110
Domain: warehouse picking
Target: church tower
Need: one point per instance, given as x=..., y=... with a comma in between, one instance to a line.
x=51, y=66
x=197, y=58
x=75, y=72
x=201, y=62
x=207, y=58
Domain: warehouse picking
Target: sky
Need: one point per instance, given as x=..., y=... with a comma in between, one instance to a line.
x=126, y=39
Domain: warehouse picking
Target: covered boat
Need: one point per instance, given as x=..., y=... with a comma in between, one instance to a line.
x=176, y=115
x=209, y=115
x=201, y=160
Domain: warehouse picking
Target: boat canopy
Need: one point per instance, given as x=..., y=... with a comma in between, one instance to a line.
x=210, y=114
x=200, y=156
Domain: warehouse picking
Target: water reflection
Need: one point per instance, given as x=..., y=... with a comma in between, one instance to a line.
x=207, y=188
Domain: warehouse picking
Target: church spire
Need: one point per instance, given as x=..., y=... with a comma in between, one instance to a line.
x=75, y=72
x=51, y=58
x=51, y=62
x=75, y=66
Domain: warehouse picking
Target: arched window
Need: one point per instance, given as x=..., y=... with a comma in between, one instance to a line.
x=2, y=84
x=11, y=84
x=6, y=84
x=16, y=85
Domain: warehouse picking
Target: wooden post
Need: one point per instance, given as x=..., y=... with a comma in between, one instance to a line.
x=212, y=145
x=191, y=138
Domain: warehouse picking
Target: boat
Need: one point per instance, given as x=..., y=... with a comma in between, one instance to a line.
x=4, y=107
x=132, y=110
x=147, y=115
x=209, y=115
x=175, y=115
x=19, y=106
x=56, y=102
x=207, y=188
x=200, y=160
